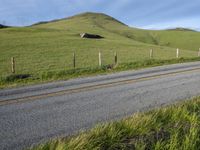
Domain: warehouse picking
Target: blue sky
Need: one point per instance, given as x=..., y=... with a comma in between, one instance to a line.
x=148, y=14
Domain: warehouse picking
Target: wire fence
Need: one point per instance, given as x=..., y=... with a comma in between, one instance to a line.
x=27, y=64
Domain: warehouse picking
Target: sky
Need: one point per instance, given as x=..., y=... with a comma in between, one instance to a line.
x=146, y=14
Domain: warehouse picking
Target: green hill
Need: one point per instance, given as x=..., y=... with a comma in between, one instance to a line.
x=97, y=22
x=48, y=46
x=3, y=26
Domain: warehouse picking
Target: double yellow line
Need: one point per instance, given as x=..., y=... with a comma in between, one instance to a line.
x=92, y=87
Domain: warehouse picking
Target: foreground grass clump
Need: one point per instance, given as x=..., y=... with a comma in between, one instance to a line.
x=24, y=79
x=173, y=127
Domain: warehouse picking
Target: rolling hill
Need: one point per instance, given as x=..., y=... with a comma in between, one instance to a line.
x=3, y=26
x=48, y=46
x=92, y=21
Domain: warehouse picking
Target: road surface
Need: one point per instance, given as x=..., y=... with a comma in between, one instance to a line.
x=33, y=114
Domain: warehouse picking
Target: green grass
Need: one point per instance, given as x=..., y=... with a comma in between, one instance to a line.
x=48, y=47
x=168, y=128
x=13, y=80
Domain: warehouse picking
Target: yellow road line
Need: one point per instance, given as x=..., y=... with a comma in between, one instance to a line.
x=92, y=87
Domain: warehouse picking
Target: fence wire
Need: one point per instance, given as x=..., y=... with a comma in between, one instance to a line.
x=32, y=64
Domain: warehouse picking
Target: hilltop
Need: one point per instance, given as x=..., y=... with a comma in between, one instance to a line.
x=182, y=29
x=3, y=26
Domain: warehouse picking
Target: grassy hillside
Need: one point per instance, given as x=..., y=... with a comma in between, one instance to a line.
x=49, y=46
x=179, y=37
x=169, y=128
x=3, y=26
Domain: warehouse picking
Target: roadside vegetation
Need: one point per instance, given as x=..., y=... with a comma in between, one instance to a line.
x=170, y=127
x=14, y=80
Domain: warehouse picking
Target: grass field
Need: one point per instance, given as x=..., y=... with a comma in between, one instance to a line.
x=172, y=127
x=49, y=46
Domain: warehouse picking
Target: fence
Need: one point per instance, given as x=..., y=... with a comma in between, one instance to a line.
x=72, y=60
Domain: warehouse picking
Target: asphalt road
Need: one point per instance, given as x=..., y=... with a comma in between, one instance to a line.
x=34, y=114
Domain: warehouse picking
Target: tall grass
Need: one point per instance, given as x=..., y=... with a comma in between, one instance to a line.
x=168, y=128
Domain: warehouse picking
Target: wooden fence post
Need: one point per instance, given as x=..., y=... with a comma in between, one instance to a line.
x=13, y=65
x=74, y=60
x=116, y=58
x=151, y=53
x=199, y=52
x=177, y=53
x=100, y=59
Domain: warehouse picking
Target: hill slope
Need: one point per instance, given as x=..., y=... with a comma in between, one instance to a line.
x=3, y=26
x=179, y=37
x=49, y=46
